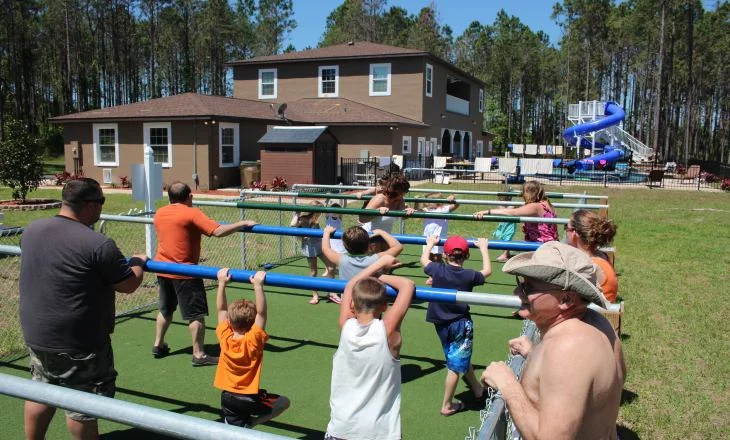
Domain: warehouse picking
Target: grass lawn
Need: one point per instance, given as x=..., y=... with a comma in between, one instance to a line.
x=672, y=260
x=53, y=164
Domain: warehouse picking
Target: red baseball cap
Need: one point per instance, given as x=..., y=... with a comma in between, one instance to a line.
x=456, y=242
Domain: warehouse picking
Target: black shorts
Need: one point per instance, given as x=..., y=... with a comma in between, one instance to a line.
x=239, y=409
x=189, y=293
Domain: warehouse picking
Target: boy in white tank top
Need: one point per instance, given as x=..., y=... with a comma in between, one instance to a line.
x=365, y=390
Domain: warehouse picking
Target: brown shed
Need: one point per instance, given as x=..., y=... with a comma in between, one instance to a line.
x=299, y=154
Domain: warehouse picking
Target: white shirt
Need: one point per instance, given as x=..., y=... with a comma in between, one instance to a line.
x=336, y=243
x=365, y=391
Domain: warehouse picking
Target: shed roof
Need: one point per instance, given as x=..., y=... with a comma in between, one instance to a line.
x=292, y=135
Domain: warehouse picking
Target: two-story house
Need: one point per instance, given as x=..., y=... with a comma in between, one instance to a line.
x=448, y=102
x=375, y=99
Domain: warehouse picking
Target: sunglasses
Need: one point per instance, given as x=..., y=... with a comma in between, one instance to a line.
x=524, y=292
x=100, y=200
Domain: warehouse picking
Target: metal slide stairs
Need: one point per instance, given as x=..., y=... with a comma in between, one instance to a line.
x=641, y=152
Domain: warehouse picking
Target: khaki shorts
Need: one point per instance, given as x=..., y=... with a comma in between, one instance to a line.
x=90, y=372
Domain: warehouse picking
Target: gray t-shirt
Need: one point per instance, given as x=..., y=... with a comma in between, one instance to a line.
x=351, y=265
x=66, y=275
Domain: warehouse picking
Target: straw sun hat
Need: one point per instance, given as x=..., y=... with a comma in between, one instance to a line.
x=562, y=265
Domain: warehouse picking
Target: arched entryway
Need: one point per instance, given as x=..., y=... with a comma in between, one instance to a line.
x=467, y=146
x=446, y=143
x=458, y=148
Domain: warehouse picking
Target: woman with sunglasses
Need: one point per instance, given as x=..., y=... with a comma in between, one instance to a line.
x=588, y=231
x=388, y=198
x=536, y=205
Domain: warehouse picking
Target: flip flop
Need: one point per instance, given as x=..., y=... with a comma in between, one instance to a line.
x=314, y=301
x=502, y=259
x=455, y=408
x=334, y=298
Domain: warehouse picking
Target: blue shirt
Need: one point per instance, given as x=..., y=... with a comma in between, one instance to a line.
x=446, y=276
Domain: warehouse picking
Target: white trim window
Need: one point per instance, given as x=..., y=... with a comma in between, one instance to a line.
x=267, y=83
x=421, y=145
x=481, y=100
x=328, y=81
x=429, y=80
x=379, y=79
x=480, y=148
x=158, y=136
x=228, y=145
x=106, y=145
x=406, y=145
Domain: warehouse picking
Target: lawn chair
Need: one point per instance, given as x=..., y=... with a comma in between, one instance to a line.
x=692, y=173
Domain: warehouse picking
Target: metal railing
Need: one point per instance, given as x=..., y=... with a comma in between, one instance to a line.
x=151, y=419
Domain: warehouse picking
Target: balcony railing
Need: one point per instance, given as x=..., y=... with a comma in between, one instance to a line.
x=457, y=105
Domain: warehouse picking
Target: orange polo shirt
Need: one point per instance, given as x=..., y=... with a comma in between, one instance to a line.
x=179, y=229
x=239, y=364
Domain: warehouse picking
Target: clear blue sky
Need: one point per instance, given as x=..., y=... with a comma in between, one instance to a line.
x=312, y=14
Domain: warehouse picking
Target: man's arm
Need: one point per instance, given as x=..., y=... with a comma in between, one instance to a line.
x=431, y=241
x=377, y=202
x=130, y=284
x=258, y=289
x=229, y=228
x=346, y=307
x=483, y=245
x=394, y=246
x=221, y=302
x=329, y=254
x=562, y=397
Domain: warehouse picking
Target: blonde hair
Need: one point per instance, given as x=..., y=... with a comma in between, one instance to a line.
x=241, y=315
x=368, y=295
x=534, y=192
x=311, y=217
x=592, y=229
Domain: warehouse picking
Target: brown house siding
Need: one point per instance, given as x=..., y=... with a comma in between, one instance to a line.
x=299, y=80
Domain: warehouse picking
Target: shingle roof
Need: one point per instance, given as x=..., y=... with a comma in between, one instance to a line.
x=324, y=111
x=292, y=135
x=184, y=106
x=359, y=49
x=341, y=111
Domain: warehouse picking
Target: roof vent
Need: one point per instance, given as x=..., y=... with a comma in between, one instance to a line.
x=350, y=43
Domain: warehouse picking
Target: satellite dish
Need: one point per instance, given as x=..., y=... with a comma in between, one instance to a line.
x=282, y=109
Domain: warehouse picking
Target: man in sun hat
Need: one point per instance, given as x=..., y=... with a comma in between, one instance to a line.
x=571, y=384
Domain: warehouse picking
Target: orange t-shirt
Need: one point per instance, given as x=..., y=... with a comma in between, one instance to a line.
x=608, y=281
x=179, y=228
x=239, y=364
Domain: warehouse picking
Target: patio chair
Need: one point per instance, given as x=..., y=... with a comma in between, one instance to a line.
x=656, y=177
x=692, y=173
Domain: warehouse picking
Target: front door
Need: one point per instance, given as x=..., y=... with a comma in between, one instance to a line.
x=325, y=163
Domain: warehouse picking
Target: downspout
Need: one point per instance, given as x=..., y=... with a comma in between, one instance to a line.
x=196, y=178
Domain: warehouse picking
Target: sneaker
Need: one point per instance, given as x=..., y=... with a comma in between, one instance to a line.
x=160, y=351
x=204, y=360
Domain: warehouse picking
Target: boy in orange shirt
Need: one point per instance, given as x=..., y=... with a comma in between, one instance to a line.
x=241, y=335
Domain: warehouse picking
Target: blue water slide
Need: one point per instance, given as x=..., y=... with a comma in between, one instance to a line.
x=614, y=116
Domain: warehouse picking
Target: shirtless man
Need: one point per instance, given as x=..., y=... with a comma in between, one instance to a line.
x=571, y=384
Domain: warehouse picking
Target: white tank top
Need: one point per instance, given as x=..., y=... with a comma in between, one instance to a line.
x=365, y=392
x=382, y=222
x=335, y=243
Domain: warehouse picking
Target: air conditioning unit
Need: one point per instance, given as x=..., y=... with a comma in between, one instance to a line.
x=107, y=175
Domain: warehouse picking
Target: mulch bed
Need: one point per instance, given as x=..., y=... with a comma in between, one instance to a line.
x=29, y=204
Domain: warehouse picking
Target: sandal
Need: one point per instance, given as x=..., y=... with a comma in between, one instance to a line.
x=335, y=298
x=503, y=259
x=314, y=300
x=455, y=408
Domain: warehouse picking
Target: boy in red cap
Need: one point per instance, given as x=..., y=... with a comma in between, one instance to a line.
x=453, y=322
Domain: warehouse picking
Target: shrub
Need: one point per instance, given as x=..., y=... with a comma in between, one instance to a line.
x=725, y=185
x=124, y=181
x=21, y=167
x=257, y=184
x=65, y=176
x=279, y=184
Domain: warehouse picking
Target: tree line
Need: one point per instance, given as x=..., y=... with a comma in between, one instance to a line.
x=661, y=60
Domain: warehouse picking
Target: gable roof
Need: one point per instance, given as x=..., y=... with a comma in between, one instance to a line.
x=351, y=50
x=183, y=106
x=342, y=111
x=292, y=135
x=359, y=49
